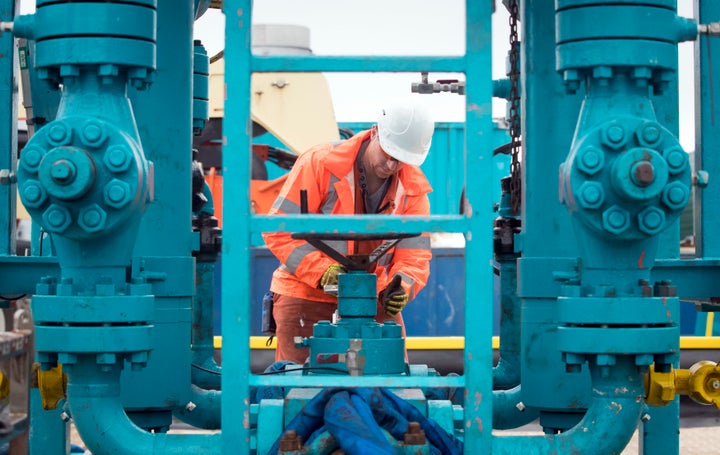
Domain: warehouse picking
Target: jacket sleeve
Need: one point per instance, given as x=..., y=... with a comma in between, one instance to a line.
x=411, y=258
x=300, y=258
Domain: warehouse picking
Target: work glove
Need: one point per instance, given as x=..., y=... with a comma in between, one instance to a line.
x=330, y=277
x=394, y=298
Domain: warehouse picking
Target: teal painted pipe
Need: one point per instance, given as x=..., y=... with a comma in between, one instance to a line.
x=97, y=411
x=707, y=205
x=477, y=417
x=164, y=118
x=509, y=411
x=205, y=371
x=48, y=433
x=44, y=96
x=236, y=226
x=209, y=206
x=660, y=429
x=506, y=373
x=8, y=134
x=548, y=238
x=206, y=410
x=607, y=426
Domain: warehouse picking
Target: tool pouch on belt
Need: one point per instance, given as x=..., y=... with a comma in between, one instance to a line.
x=268, y=321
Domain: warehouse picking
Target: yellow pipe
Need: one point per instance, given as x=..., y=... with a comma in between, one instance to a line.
x=451, y=343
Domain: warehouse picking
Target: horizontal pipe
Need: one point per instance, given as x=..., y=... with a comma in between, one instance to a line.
x=22, y=273
x=356, y=64
x=367, y=224
x=357, y=381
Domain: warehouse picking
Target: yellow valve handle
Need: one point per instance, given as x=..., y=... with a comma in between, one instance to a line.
x=53, y=386
x=659, y=387
x=704, y=383
x=701, y=382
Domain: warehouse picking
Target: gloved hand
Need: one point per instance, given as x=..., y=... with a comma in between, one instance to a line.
x=330, y=277
x=394, y=298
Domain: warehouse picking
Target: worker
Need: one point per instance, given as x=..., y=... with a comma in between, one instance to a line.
x=374, y=172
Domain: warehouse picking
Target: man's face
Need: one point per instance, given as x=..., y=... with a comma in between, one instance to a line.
x=380, y=163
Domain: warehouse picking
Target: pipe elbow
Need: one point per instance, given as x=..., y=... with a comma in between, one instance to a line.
x=606, y=428
x=205, y=412
x=509, y=411
x=506, y=373
x=106, y=429
x=98, y=414
x=206, y=373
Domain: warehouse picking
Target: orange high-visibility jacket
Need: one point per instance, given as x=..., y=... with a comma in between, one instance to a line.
x=327, y=172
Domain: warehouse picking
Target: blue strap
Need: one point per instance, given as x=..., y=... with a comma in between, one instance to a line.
x=354, y=417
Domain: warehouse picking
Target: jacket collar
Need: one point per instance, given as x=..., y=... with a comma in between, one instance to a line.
x=340, y=160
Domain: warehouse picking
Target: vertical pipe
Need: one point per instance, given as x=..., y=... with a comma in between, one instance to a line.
x=8, y=135
x=203, y=347
x=547, y=231
x=707, y=134
x=164, y=119
x=478, y=254
x=237, y=128
x=662, y=432
x=48, y=432
x=667, y=110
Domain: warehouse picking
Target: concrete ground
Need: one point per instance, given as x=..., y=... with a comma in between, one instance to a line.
x=698, y=436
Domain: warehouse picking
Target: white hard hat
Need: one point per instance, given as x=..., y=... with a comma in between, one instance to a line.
x=405, y=130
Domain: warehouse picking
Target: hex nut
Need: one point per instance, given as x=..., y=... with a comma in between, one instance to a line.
x=676, y=158
x=56, y=218
x=30, y=158
x=92, y=218
x=648, y=134
x=93, y=134
x=33, y=194
x=616, y=220
x=591, y=195
x=59, y=133
x=675, y=195
x=117, y=158
x=117, y=193
x=613, y=136
x=590, y=160
x=651, y=220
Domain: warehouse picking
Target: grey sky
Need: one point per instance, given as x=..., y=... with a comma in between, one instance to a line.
x=406, y=27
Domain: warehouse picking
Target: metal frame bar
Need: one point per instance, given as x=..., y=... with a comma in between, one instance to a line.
x=239, y=223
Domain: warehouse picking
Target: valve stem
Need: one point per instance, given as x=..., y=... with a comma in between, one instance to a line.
x=711, y=29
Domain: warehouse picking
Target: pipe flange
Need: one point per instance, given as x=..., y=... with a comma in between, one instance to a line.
x=626, y=178
x=91, y=168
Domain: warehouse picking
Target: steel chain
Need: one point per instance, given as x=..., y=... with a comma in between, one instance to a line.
x=514, y=111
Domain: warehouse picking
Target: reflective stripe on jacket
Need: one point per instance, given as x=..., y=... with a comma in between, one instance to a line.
x=326, y=171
